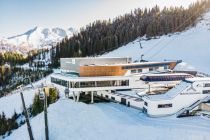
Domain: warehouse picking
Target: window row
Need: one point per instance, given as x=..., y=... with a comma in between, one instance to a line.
x=152, y=66
x=164, y=105
x=206, y=91
x=113, y=83
x=59, y=82
x=207, y=85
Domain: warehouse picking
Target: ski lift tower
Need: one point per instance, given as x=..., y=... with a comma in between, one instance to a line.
x=24, y=106
x=43, y=94
x=141, y=47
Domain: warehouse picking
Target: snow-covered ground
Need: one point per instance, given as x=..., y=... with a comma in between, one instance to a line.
x=110, y=121
x=192, y=46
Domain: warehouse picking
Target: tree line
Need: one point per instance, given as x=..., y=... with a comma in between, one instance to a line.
x=8, y=124
x=106, y=35
x=11, y=77
x=12, y=58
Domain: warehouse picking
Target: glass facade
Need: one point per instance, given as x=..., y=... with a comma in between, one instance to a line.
x=87, y=84
x=111, y=83
x=165, y=78
x=59, y=82
x=145, y=66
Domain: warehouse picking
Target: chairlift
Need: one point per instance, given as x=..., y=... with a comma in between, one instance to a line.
x=67, y=93
x=41, y=95
x=140, y=44
x=142, y=60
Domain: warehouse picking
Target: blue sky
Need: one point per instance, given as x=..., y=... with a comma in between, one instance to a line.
x=18, y=16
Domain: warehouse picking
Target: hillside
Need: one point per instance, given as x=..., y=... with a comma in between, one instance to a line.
x=78, y=121
x=191, y=46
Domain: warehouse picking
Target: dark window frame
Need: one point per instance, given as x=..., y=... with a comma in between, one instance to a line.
x=165, y=105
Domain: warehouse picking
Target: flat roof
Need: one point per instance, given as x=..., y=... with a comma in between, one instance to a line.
x=164, y=74
x=129, y=93
x=94, y=57
x=198, y=79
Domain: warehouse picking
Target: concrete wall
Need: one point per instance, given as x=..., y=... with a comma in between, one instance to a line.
x=73, y=64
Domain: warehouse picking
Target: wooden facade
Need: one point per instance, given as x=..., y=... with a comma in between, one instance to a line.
x=91, y=71
x=120, y=70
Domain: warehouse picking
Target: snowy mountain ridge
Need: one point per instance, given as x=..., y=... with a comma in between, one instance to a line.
x=36, y=38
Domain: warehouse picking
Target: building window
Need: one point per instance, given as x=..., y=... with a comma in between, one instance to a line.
x=133, y=71
x=150, y=69
x=113, y=98
x=144, y=110
x=156, y=68
x=207, y=85
x=59, y=82
x=106, y=96
x=139, y=70
x=166, y=67
x=164, y=105
x=206, y=91
x=145, y=103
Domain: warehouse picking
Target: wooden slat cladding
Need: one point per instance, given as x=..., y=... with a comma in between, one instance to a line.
x=172, y=65
x=91, y=71
x=120, y=70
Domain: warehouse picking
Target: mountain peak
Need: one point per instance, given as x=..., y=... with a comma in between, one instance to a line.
x=37, y=38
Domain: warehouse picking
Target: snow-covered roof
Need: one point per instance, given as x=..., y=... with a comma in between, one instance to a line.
x=194, y=79
x=95, y=57
x=129, y=93
x=101, y=78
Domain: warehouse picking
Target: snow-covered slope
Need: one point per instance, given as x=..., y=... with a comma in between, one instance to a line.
x=78, y=121
x=192, y=46
x=35, y=38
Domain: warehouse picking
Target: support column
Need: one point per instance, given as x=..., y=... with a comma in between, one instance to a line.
x=74, y=97
x=92, y=100
x=78, y=94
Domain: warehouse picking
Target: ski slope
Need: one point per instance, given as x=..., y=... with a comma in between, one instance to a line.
x=69, y=120
x=192, y=46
